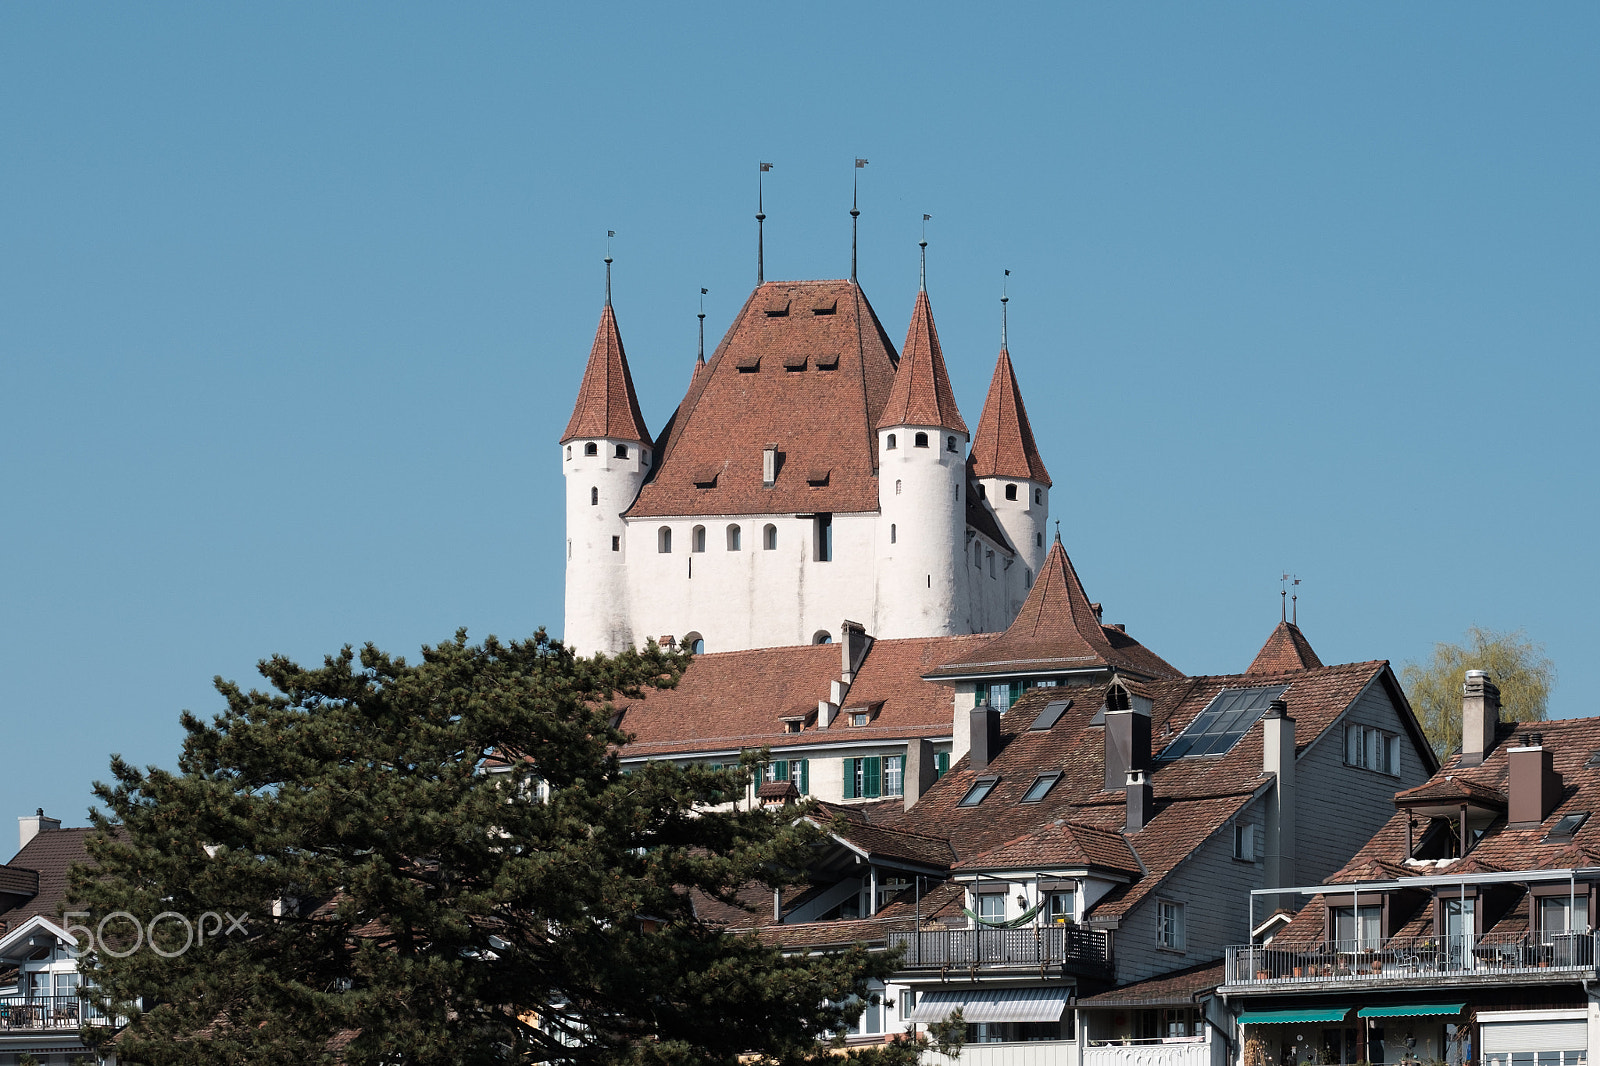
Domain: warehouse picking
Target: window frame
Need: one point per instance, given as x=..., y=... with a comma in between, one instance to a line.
x=979, y=791
x=1171, y=925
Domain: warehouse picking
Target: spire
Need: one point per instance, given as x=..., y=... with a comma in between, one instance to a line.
x=1003, y=446
x=1286, y=649
x=855, y=214
x=700, y=358
x=922, y=395
x=607, y=405
x=922, y=282
x=761, y=222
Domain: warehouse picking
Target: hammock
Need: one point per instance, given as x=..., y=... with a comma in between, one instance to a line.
x=1015, y=923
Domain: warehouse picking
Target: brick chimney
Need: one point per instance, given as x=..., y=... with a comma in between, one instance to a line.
x=920, y=770
x=1127, y=736
x=1480, y=717
x=983, y=732
x=1535, y=787
x=31, y=825
x=1140, y=801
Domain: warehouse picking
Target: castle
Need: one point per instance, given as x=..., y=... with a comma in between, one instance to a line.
x=810, y=475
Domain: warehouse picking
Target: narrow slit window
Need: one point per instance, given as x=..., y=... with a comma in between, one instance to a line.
x=594, y=497
x=769, y=537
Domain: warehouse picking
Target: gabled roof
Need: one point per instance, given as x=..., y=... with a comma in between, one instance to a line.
x=922, y=395
x=50, y=854
x=607, y=406
x=806, y=367
x=1003, y=445
x=1286, y=649
x=1057, y=629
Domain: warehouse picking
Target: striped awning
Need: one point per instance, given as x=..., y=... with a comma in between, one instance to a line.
x=992, y=1004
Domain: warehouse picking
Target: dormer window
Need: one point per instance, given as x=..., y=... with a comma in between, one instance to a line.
x=978, y=792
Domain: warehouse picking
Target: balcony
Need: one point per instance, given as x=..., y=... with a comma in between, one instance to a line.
x=1067, y=948
x=50, y=1012
x=1179, y=1051
x=1488, y=960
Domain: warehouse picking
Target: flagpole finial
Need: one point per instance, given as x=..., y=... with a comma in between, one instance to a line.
x=855, y=214
x=922, y=283
x=610, y=233
x=1005, y=298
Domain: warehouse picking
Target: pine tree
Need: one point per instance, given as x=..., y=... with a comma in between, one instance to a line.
x=442, y=862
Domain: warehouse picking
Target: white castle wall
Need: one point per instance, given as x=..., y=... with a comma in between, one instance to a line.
x=1024, y=519
x=922, y=527
x=599, y=488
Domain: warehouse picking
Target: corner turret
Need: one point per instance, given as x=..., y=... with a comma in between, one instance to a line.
x=1007, y=466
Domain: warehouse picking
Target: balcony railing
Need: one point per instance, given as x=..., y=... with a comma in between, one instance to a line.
x=1408, y=959
x=50, y=1012
x=1076, y=950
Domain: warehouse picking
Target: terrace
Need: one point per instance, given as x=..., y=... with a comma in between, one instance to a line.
x=1071, y=949
x=19, y=1012
x=1489, y=959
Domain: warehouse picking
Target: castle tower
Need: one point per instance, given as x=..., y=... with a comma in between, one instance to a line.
x=605, y=454
x=922, y=451
x=1006, y=463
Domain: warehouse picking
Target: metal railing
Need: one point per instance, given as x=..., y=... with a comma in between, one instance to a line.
x=50, y=1012
x=1075, y=949
x=1407, y=958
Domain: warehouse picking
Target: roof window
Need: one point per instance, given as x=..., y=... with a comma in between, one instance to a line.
x=1040, y=788
x=828, y=362
x=1570, y=824
x=794, y=362
x=780, y=311
x=978, y=792
x=748, y=363
x=1050, y=715
x=1226, y=718
x=830, y=309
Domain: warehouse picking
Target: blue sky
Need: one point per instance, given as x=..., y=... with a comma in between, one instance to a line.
x=295, y=299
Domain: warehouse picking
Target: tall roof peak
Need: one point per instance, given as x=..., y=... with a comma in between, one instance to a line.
x=922, y=395
x=1286, y=649
x=1003, y=445
x=607, y=405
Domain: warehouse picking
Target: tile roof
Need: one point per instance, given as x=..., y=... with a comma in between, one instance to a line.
x=1003, y=445
x=1057, y=629
x=1061, y=844
x=921, y=395
x=1170, y=989
x=981, y=516
x=606, y=404
x=806, y=367
x=885, y=841
x=50, y=854
x=1286, y=649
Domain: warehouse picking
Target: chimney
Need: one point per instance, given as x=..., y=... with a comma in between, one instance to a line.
x=920, y=771
x=1480, y=716
x=1277, y=762
x=825, y=712
x=983, y=731
x=1141, y=800
x=1127, y=736
x=1535, y=786
x=853, y=645
x=1098, y=610
x=769, y=465
x=31, y=825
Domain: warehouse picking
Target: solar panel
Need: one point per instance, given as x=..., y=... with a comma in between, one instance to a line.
x=1050, y=715
x=1218, y=728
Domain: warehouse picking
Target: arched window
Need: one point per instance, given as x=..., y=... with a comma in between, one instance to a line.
x=1038, y=539
x=664, y=539
x=591, y=448
x=694, y=642
x=622, y=451
x=897, y=486
x=891, y=532
x=569, y=451
x=892, y=444
x=769, y=537
x=822, y=636
x=1038, y=495
x=594, y=497
x=733, y=538
x=697, y=539
x=921, y=440
x=949, y=444
x=1011, y=492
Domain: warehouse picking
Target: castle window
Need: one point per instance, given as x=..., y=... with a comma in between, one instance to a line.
x=1011, y=492
x=991, y=564
x=921, y=440
x=694, y=642
x=891, y=445
x=822, y=545
x=697, y=539
x=622, y=451
x=733, y=538
x=616, y=544
x=664, y=539
x=891, y=532
x=983, y=492
x=1038, y=540
x=569, y=547
x=1038, y=495
x=949, y=444
x=769, y=537
x=897, y=486
x=822, y=636
x=591, y=448
x=569, y=451
x=594, y=497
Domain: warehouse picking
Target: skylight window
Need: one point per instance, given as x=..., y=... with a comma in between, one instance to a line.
x=1050, y=715
x=1227, y=718
x=978, y=792
x=1040, y=788
x=1570, y=824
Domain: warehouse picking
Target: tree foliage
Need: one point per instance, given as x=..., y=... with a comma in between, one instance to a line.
x=442, y=862
x=1517, y=665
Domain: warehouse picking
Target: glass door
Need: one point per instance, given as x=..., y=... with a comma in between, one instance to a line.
x=1460, y=929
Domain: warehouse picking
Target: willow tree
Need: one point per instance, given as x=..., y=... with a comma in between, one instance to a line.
x=1517, y=665
x=442, y=862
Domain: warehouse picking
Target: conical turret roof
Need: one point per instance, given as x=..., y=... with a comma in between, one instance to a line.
x=1286, y=649
x=607, y=405
x=922, y=395
x=1058, y=629
x=1003, y=445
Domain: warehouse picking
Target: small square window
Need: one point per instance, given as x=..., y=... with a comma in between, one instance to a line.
x=978, y=792
x=860, y=718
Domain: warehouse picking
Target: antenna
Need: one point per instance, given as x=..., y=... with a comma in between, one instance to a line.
x=761, y=221
x=610, y=233
x=855, y=213
x=922, y=284
x=1005, y=298
x=701, y=361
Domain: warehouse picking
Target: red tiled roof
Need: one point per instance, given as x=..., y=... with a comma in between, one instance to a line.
x=1057, y=630
x=1003, y=445
x=607, y=405
x=1286, y=649
x=1061, y=844
x=805, y=367
x=886, y=841
x=1170, y=989
x=922, y=395
x=50, y=854
x=1451, y=788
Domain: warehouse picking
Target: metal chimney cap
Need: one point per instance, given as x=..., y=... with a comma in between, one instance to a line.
x=1471, y=674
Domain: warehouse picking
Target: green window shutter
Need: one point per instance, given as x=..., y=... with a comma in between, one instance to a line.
x=850, y=778
x=780, y=770
x=805, y=777
x=874, y=777
x=941, y=764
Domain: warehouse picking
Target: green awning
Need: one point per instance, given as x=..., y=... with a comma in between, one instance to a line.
x=1286, y=1017
x=1416, y=1010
